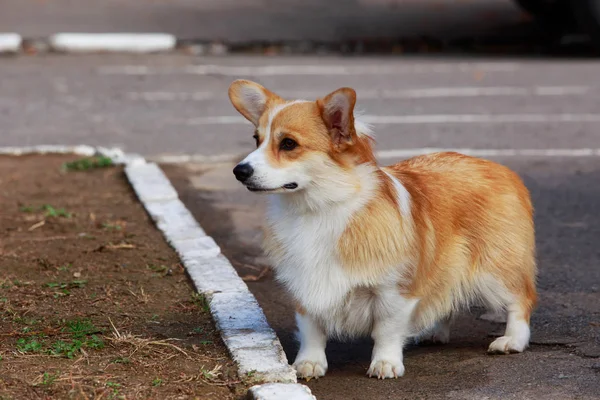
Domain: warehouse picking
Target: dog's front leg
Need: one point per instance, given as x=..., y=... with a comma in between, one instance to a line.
x=311, y=361
x=389, y=334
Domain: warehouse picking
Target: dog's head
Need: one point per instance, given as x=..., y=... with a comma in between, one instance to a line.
x=300, y=145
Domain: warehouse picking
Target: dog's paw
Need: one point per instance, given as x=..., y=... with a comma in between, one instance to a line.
x=507, y=345
x=310, y=369
x=382, y=369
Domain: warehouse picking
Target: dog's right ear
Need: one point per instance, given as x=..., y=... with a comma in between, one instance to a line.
x=250, y=99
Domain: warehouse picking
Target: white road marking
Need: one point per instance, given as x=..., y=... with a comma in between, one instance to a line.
x=325, y=70
x=429, y=119
x=397, y=153
x=478, y=118
x=400, y=153
x=427, y=93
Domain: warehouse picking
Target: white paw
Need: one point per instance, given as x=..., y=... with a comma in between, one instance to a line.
x=506, y=345
x=385, y=369
x=310, y=369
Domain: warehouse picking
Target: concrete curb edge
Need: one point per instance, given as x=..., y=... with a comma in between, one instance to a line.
x=252, y=343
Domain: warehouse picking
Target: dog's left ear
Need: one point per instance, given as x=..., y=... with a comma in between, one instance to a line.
x=251, y=99
x=337, y=111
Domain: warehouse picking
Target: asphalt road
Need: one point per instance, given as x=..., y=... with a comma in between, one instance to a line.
x=175, y=104
x=250, y=20
x=539, y=116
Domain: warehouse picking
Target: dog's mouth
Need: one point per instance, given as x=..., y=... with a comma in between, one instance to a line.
x=287, y=186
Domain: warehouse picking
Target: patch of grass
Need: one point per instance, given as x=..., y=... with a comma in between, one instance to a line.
x=66, y=349
x=95, y=342
x=77, y=284
x=200, y=301
x=115, y=389
x=29, y=345
x=27, y=209
x=158, y=268
x=24, y=320
x=63, y=287
x=80, y=328
x=69, y=349
x=55, y=212
x=111, y=227
x=65, y=267
x=84, y=164
x=156, y=382
x=46, y=379
x=121, y=360
x=204, y=342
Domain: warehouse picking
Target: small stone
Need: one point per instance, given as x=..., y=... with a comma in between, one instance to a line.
x=77, y=275
x=596, y=367
x=169, y=272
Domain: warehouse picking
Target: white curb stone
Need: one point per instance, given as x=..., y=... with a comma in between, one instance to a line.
x=196, y=248
x=118, y=42
x=250, y=340
x=222, y=277
x=175, y=220
x=150, y=183
x=280, y=391
x=10, y=42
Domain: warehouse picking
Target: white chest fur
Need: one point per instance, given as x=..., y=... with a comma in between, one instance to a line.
x=309, y=266
x=310, y=269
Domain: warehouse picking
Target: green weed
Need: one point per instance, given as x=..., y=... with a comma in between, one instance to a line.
x=156, y=382
x=85, y=164
x=29, y=345
x=80, y=328
x=55, y=212
x=200, y=301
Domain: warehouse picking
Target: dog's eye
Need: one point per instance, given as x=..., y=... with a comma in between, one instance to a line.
x=255, y=136
x=288, y=144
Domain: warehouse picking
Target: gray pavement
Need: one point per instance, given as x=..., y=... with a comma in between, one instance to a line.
x=175, y=104
x=250, y=20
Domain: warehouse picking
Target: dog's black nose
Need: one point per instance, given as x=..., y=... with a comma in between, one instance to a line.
x=243, y=171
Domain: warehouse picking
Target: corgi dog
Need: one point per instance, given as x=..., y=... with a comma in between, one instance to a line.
x=394, y=251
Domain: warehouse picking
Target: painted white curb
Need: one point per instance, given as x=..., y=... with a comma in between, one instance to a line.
x=117, y=42
x=252, y=343
x=10, y=42
x=280, y=391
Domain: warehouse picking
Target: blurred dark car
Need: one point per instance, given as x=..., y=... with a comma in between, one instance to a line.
x=566, y=15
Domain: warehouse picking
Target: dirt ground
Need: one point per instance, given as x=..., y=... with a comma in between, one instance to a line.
x=93, y=303
x=562, y=361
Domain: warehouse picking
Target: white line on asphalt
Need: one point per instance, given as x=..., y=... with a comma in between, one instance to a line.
x=397, y=153
x=280, y=70
x=428, y=119
x=493, y=152
x=427, y=93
